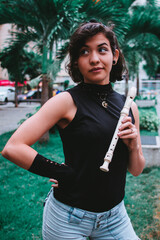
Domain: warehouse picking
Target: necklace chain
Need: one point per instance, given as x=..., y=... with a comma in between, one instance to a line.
x=103, y=98
x=101, y=95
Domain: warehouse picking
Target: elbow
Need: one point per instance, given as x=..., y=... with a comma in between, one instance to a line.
x=137, y=169
x=136, y=174
x=6, y=152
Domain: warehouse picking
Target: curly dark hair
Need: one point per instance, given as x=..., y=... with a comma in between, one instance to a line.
x=78, y=39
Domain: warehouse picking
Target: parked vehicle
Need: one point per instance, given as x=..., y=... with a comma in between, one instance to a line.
x=7, y=94
x=34, y=95
x=21, y=97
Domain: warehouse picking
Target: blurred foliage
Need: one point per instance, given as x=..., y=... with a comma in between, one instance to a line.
x=148, y=97
x=148, y=119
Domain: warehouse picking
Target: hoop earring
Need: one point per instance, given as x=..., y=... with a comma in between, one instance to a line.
x=114, y=62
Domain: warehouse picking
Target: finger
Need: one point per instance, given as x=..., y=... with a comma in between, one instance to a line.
x=54, y=185
x=126, y=119
x=128, y=133
x=126, y=125
x=53, y=180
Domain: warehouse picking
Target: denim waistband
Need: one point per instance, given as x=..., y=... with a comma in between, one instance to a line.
x=87, y=214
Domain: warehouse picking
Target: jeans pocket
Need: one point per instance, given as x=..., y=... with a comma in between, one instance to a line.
x=76, y=216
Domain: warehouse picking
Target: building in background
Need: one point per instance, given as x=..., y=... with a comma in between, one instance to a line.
x=5, y=30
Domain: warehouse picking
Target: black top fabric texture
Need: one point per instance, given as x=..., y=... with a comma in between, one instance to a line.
x=85, y=142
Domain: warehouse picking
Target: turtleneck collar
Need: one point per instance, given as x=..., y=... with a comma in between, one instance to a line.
x=96, y=88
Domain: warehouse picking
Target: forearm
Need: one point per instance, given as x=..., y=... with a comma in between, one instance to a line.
x=47, y=168
x=20, y=154
x=27, y=158
x=136, y=161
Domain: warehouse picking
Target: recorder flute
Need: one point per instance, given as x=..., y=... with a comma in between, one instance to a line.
x=125, y=111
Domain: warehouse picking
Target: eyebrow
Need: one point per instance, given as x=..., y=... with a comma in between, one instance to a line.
x=98, y=45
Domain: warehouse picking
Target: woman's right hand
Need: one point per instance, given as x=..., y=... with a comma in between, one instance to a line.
x=55, y=185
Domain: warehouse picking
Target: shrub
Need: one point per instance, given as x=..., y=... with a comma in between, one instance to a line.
x=148, y=119
x=150, y=97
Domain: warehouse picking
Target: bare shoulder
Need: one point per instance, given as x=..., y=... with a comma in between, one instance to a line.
x=62, y=101
x=63, y=96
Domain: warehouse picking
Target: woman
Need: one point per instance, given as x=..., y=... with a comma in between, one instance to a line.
x=86, y=202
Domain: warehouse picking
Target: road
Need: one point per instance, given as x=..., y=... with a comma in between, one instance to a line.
x=10, y=116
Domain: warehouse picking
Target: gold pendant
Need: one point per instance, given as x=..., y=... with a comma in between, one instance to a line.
x=104, y=104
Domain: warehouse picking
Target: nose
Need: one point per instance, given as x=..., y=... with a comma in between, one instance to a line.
x=94, y=58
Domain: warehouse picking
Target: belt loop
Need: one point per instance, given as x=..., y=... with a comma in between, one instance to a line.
x=76, y=215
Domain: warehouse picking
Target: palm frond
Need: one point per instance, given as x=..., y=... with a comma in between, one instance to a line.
x=17, y=12
x=110, y=13
x=143, y=47
x=144, y=19
x=10, y=55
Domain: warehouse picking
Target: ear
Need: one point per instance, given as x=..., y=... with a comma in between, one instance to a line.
x=76, y=64
x=115, y=57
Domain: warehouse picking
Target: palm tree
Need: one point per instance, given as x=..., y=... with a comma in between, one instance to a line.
x=45, y=18
x=54, y=20
x=142, y=39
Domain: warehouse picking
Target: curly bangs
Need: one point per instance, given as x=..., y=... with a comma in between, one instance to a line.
x=78, y=39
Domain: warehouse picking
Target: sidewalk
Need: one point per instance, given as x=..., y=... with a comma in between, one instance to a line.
x=10, y=116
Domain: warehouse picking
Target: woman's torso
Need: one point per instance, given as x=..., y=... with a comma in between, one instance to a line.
x=85, y=142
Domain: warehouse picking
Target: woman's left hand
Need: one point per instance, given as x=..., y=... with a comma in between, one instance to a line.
x=128, y=132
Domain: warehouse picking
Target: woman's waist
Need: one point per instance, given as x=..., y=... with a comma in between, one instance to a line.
x=94, y=197
x=88, y=213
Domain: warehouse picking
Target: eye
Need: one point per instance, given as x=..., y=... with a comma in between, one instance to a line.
x=84, y=51
x=103, y=50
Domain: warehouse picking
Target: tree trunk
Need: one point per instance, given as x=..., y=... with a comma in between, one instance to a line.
x=44, y=96
x=126, y=84
x=16, y=90
x=50, y=92
x=45, y=87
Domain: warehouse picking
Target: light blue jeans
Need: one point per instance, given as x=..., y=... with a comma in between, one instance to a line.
x=62, y=222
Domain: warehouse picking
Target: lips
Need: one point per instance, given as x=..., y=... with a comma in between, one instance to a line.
x=98, y=69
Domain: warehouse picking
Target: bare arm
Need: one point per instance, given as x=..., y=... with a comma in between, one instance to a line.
x=132, y=139
x=18, y=149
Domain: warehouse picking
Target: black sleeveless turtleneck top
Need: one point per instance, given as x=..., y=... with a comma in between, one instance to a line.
x=85, y=142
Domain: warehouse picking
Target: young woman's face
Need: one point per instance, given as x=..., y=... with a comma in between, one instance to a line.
x=96, y=59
